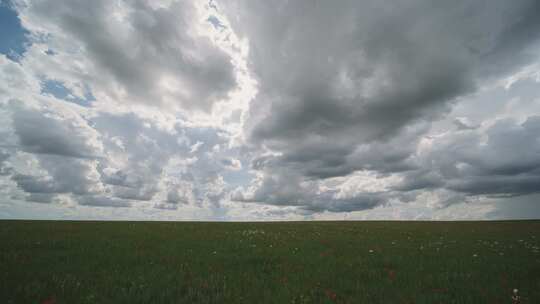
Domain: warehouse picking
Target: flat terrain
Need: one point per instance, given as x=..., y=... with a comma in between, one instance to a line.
x=295, y=262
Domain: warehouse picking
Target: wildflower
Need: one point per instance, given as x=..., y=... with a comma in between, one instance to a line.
x=475, y=255
x=371, y=251
x=515, y=296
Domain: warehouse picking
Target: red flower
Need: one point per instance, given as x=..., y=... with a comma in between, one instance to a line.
x=392, y=275
x=330, y=294
x=50, y=300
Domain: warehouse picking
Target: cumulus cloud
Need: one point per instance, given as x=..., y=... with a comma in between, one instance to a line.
x=43, y=133
x=136, y=51
x=66, y=149
x=63, y=176
x=5, y=169
x=113, y=159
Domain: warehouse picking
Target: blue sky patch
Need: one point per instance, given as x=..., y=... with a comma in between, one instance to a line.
x=216, y=22
x=58, y=90
x=13, y=37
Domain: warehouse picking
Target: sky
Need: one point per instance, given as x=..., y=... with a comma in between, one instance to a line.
x=251, y=110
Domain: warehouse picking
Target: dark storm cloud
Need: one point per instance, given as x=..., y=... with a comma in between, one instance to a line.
x=149, y=52
x=508, y=163
x=504, y=164
x=359, y=202
x=102, y=201
x=420, y=179
x=45, y=198
x=352, y=85
x=359, y=71
x=322, y=157
x=521, y=207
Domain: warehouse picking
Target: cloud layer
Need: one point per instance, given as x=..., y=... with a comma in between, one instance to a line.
x=257, y=110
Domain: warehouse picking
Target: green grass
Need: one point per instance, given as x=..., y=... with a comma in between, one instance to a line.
x=300, y=262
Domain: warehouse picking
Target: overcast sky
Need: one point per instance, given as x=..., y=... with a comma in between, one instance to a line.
x=269, y=110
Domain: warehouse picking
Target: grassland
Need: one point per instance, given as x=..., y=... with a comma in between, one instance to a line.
x=307, y=262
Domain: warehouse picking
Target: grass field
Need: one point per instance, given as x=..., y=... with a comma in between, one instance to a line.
x=294, y=262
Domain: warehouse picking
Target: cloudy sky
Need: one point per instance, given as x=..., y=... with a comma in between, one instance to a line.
x=269, y=110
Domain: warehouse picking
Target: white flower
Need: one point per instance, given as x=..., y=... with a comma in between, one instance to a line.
x=515, y=290
x=371, y=251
